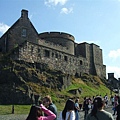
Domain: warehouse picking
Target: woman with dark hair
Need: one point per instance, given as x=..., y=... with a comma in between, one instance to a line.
x=98, y=113
x=68, y=112
x=36, y=113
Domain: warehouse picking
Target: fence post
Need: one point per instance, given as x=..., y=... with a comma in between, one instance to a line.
x=12, y=109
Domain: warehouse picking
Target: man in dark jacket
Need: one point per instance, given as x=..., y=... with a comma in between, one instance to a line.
x=85, y=107
x=47, y=101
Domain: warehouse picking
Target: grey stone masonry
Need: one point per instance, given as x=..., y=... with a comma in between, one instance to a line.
x=56, y=49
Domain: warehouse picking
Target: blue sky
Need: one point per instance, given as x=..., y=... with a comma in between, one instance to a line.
x=92, y=21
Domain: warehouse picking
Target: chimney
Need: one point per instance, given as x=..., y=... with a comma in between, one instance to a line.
x=110, y=75
x=24, y=14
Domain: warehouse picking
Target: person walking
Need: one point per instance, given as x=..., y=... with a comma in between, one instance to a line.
x=47, y=101
x=68, y=112
x=106, y=100
x=97, y=112
x=118, y=110
x=36, y=113
x=77, y=109
x=85, y=107
x=115, y=104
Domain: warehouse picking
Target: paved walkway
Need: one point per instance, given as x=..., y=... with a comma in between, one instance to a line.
x=23, y=117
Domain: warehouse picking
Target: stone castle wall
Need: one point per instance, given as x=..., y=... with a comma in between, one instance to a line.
x=60, y=38
x=57, y=60
x=57, y=49
x=53, y=45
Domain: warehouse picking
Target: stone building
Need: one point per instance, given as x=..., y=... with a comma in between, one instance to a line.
x=115, y=83
x=56, y=49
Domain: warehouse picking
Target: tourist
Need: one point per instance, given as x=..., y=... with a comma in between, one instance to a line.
x=115, y=104
x=106, y=100
x=97, y=112
x=112, y=100
x=68, y=112
x=77, y=109
x=85, y=107
x=36, y=113
x=47, y=101
x=118, y=110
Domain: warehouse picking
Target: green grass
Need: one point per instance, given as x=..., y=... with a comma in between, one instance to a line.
x=89, y=89
x=18, y=109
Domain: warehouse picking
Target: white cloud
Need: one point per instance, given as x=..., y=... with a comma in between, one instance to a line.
x=3, y=28
x=55, y=2
x=114, y=54
x=66, y=10
x=113, y=69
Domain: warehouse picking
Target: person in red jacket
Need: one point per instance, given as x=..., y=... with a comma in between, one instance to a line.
x=36, y=113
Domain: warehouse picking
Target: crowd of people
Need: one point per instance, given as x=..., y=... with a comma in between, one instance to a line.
x=115, y=102
x=93, y=109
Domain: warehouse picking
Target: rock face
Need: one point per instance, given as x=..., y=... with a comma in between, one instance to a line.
x=21, y=83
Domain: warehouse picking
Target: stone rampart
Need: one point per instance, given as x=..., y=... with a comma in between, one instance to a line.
x=56, y=34
x=52, y=45
x=63, y=39
x=57, y=60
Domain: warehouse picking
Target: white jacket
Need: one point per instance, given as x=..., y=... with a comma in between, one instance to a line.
x=71, y=113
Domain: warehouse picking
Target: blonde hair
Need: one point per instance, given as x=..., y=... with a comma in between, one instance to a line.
x=48, y=98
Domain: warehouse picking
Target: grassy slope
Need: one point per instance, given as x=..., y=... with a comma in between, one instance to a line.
x=89, y=89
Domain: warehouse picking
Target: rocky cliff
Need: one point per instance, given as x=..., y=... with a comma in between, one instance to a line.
x=24, y=83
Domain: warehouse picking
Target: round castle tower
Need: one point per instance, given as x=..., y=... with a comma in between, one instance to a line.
x=63, y=39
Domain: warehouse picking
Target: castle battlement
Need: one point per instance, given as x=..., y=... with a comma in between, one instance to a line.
x=57, y=35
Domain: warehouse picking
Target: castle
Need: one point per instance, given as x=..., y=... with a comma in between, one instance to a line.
x=56, y=49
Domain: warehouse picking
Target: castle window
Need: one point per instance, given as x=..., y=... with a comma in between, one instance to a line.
x=60, y=56
x=38, y=50
x=39, y=55
x=65, y=58
x=47, y=53
x=31, y=49
x=81, y=62
x=23, y=32
x=0, y=49
x=56, y=55
x=52, y=54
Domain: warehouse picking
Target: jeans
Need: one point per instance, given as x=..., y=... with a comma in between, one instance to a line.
x=77, y=116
